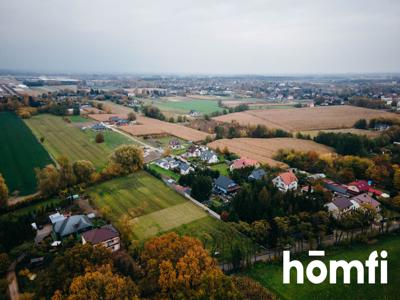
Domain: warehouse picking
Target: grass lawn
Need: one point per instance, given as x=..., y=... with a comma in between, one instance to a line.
x=222, y=168
x=270, y=276
x=217, y=236
x=62, y=138
x=148, y=202
x=20, y=154
x=161, y=171
x=154, y=208
x=184, y=106
x=78, y=119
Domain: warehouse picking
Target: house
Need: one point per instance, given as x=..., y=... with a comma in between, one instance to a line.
x=243, y=163
x=113, y=119
x=72, y=225
x=194, y=113
x=185, y=168
x=358, y=187
x=209, y=157
x=106, y=236
x=173, y=163
x=257, y=174
x=340, y=205
x=175, y=144
x=365, y=199
x=285, y=181
x=162, y=163
x=225, y=185
x=122, y=122
x=54, y=218
x=335, y=187
x=98, y=127
x=193, y=151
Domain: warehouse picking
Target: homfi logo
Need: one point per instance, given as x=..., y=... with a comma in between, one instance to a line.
x=317, y=270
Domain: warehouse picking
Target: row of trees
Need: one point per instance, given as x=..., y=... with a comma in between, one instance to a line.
x=346, y=168
x=234, y=130
x=51, y=179
x=168, y=267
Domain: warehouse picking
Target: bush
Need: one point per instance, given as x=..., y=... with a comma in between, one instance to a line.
x=99, y=138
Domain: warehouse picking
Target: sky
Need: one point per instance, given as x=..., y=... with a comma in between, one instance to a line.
x=200, y=37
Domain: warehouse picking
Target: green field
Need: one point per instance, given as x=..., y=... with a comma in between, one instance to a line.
x=20, y=154
x=270, y=276
x=62, y=138
x=78, y=119
x=148, y=202
x=161, y=171
x=184, y=106
x=154, y=208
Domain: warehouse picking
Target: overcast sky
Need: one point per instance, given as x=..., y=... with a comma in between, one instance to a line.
x=203, y=36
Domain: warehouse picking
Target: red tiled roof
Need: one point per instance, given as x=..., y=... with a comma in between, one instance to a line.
x=288, y=177
x=244, y=162
x=99, y=235
x=362, y=185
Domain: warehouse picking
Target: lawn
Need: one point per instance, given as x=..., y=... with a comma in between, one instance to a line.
x=154, y=208
x=185, y=105
x=148, y=202
x=20, y=154
x=62, y=138
x=78, y=119
x=222, y=168
x=217, y=236
x=161, y=171
x=270, y=276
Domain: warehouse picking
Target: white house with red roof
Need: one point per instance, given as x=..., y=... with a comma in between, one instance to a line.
x=243, y=162
x=286, y=181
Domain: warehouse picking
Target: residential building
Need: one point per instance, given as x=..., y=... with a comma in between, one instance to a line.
x=209, y=157
x=285, y=181
x=340, y=205
x=257, y=174
x=72, y=225
x=106, y=236
x=365, y=199
x=243, y=163
x=225, y=185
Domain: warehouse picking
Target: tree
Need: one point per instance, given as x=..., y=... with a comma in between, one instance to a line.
x=128, y=158
x=3, y=192
x=83, y=170
x=67, y=176
x=361, y=124
x=201, y=188
x=101, y=283
x=180, y=268
x=99, y=138
x=48, y=180
x=5, y=262
x=71, y=263
x=252, y=290
x=131, y=116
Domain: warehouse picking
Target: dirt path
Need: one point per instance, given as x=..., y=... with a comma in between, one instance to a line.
x=12, y=282
x=15, y=200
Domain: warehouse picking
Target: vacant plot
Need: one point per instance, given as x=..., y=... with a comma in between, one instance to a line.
x=301, y=119
x=271, y=276
x=62, y=138
x=368, y=133
x=151, y=206
x=264, y=150
x=183, y=105
x=20, y=154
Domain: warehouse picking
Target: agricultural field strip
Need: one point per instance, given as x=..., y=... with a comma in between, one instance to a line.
x=166, y=219
x=302, y=119
x=263, y=150
x=21, y=153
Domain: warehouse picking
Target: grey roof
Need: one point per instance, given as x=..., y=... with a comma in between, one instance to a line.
x=342, y=202
x=224, y=182
x=72, y=225
x=257, y=174
x=184, y=166
x=207, y=155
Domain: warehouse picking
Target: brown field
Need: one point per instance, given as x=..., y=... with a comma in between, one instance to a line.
x=368, y=133
x=301, y=119
x=149, y=126
x=264, y=150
